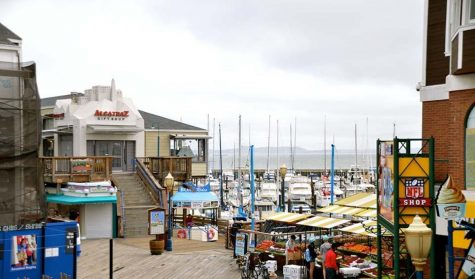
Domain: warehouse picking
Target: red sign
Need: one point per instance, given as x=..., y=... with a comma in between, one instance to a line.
x=415, y=202
x=181, y=233
x=56, y=115
x=124, y=113
x=414, y=188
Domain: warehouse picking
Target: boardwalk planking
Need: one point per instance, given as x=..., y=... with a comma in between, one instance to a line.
x=132, y=259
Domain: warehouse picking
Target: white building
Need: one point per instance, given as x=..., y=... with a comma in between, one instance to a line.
x=97, y=123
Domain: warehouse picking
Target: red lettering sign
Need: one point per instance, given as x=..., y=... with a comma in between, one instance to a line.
x=124, y=113
x=415, y=202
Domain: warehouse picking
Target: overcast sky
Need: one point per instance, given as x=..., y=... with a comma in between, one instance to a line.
x=349, y=60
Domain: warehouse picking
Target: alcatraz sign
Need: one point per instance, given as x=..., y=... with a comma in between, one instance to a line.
x=111, y=115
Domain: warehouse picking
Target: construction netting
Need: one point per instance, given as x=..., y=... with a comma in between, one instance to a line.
x=21, y=187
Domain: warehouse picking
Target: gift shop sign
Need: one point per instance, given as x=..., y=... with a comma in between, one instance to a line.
x=111, y=115
x=414, y=193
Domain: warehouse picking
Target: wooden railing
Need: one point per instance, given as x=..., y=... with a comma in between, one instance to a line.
x=156, y=191
x=76, y=169
x=179, y=167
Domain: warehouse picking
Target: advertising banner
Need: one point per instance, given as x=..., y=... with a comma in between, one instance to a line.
x=157, y=221
x=240, y=246
x=385, y=180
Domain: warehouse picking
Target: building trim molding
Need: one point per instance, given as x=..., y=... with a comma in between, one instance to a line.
x=460, y=82
x=434, y=93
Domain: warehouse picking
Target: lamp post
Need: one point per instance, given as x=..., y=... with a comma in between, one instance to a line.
x=418, y=242
x=169, y=182
x=282, y=172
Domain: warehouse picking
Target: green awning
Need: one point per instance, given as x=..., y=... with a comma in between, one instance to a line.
x=62, y=199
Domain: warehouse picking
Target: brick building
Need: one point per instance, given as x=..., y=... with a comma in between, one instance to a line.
x=447, y=93
x=448, y=88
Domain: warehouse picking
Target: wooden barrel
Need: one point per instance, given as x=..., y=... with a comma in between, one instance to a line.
x=157, y=246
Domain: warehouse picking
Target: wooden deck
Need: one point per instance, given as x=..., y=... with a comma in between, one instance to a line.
x=132, y=259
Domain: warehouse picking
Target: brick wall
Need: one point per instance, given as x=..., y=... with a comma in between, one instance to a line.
x=445, y=121
x=435, y=120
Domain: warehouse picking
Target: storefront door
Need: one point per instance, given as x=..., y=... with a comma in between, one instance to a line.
x=123, y=152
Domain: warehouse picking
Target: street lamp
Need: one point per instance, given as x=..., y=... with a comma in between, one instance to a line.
x=169, y=182
x=418, y=242
x=282, y=172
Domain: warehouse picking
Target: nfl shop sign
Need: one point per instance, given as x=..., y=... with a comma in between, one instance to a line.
x=414, y=190
x=415, y=202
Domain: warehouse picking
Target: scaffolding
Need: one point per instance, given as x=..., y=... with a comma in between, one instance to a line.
x=21, y=191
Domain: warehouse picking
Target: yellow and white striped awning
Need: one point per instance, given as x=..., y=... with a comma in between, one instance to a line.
x=323, y=222
x=288, y=217
x=359, y=229
x=367, y=213
x=361, y=200
x=337, y=209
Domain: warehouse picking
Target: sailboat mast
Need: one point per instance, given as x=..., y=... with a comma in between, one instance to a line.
x=291, y=149
x=234, y=158
x=356, y=149
x=325, y=143
x=221, y=198
x=277, y=136
x=214, y=140
x=268, y=146
x=295, y=143
x=239, y=166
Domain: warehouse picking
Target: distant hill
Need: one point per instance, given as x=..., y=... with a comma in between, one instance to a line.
x=286, y=150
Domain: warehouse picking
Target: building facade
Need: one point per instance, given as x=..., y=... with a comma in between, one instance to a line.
x=21, y=199
x=98, y=122
x=448, y=88
x=101, y=122
x=447, y=92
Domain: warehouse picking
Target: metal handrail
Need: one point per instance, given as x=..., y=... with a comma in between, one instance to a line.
x=150, y=181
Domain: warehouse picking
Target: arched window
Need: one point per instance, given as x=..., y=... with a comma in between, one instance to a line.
x=470, y=151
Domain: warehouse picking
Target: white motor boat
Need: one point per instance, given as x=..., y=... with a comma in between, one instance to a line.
x=269, y=191
x=300, y=189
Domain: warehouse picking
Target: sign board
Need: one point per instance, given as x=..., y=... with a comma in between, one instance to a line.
x=385, y=180
x=469, y=265
x=69, y=249
x=156, y=218
x=240, y=246
x=414, y=195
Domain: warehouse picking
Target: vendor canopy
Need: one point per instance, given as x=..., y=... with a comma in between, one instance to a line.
x=361, y=228
x=367, y=213
x=287, y=217
x=361, y=200
x=195, y=200
x=323, y=222
x=337, y=209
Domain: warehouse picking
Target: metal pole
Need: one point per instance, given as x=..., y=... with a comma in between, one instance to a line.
x=111, y=258
x=433, y=273
x=239, y=166
x=325, y=144
x=450, y=249
x=282, y=194
x=396, y=244
x=214, y=140
x=332, y=175
x=75, y=258
x=170, y=222
x=251, y=177
x=221, y=198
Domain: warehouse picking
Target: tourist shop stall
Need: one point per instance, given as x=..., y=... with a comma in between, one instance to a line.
x=275, y=232
x=192, y=197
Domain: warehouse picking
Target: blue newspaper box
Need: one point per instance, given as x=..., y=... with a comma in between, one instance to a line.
x=33, y=250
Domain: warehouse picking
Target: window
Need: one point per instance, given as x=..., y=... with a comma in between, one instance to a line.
x=195, y=148
x=470, y=151
x=472, y=11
